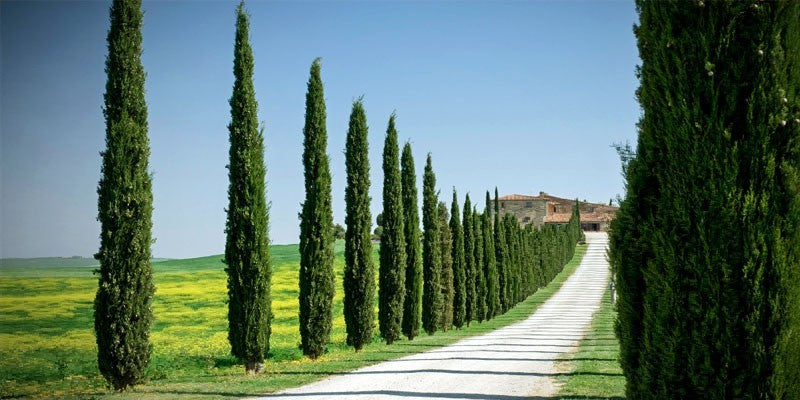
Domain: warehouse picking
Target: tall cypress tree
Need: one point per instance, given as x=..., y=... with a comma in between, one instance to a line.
x=431, y=255
x=480, y=291
x=316, y=226
x=359, y=272
x=470, y=302
x=501, y=252
x=247, y=238
x=412, y=306
x=446, y=276
x=705, y=246
x=489, y=263
x=459, y=265
x=392, y=251
x=122, y=313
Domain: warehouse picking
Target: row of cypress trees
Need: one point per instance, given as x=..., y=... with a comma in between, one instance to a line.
x=451, y=281
x=705, y=249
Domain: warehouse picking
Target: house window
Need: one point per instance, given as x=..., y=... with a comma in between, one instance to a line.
x=502, y=205
x=526, y=219
x=528, y=204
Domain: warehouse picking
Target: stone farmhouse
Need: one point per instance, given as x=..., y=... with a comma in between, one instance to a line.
x=546, y=209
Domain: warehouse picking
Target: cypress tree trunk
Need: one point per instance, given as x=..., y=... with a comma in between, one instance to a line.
x=316, y=226
x=481, y=293
x=705, y=245
x=446, y=277
x=431, y=255
x=247, y=238
x=122, y=312
x=470, y=286
x=392, y=250
x=459, y=265
x=412, y=306
x=359, y=272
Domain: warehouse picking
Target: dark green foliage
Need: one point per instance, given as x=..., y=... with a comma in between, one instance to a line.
x=247, y=257
x=412, y=307
x=446, y=276
x=316, y=226
x=122, y=313
x=705, y=249
x=431, y=254
x=501, y=253
x=338, y=232
x=393, y=245
x=489, y=263
x=457, y=251
x=359, y=272
x=470, y=300
x=479, y=290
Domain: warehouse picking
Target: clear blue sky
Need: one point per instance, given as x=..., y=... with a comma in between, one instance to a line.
x=527, y=96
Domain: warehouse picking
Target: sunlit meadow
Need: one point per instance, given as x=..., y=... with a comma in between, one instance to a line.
x=47, y=344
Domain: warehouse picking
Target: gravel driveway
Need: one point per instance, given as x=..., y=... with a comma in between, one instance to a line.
x=512, y=363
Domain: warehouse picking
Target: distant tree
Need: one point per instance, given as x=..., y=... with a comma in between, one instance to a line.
x=412, y=307
x=339, y=231
x=446, y=276
x=431, y=254
x=470, y=293
x=379, y=219
x=122, y=312
x=392, y=250
x=501, y=252
x=378, y=232
x=480, y=290
x=359, y=272
x=459, y=302
x=316, y=226
x=247, y=237
x=493, y=307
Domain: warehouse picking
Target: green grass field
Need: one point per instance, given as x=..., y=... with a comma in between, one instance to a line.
x=47, y=344
x=594, y=370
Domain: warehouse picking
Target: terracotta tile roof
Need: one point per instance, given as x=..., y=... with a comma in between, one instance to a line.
x=518, y=197
x=599, y=207
x=561, y=218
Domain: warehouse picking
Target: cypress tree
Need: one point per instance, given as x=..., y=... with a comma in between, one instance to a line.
x=316, y=226
x=392, y=250
x=705, y=245
x=470, y=302
x=359, y=272
x=412, y=306
x=446, y=277
x=480, y=290
x=501, y=252
x=460, y=265
x=122, y=313
x=489, y=263
x=247, y=238
x=431, y=255
x=511, y=227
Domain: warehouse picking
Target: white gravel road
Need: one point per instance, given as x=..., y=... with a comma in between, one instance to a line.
x=512, y=363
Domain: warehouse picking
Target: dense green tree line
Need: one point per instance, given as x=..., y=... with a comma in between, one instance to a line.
x=705, y=249
x=472, y=266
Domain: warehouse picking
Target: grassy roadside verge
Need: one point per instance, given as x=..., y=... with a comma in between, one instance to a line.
x=339, y=359
x=594, y=370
